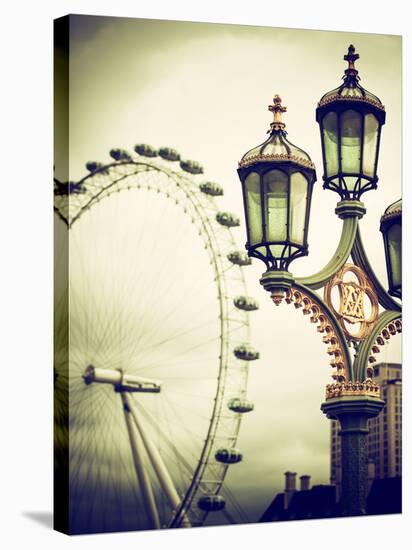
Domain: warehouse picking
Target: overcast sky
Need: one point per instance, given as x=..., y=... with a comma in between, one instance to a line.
x=204, y=90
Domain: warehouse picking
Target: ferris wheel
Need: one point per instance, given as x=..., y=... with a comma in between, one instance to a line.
x=152, y=287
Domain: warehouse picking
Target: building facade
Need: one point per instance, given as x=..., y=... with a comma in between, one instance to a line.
x=385, y=430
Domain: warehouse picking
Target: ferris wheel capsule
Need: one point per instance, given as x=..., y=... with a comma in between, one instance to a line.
x=94, y=166
x=228, y=219
x=228, y=456
x=240, y=405
x=168, y=153
x=211, y=503
x=246, y=352
x=120, y=154
x=246, y=303
x=211, y=188
x=146, y=150
x=76, y=187
x=191, y=166
x=239, y=257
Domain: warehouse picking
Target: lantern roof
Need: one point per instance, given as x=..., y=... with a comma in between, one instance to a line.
x=394, y=210
x=351, y=90
x=277, y=148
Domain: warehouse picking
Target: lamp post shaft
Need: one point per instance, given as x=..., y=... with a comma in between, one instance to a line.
x=353, y=412
x=354, y=461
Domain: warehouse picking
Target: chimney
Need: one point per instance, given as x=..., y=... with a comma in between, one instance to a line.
x=304, y=483
x=290, y=487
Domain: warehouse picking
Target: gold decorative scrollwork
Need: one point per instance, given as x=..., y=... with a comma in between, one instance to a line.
x=392, y=328
x=309, y=307
x=340, y=389
x=342, y=385
x=337, y=97
x=352, y=301
x=276, y=158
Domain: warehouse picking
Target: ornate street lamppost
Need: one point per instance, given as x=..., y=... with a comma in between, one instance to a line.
x=277, y=179
x=391, y=227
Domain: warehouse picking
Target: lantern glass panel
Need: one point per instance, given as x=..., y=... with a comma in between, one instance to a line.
x=278, y=250
x=351, y=181
x=351, y=133
x=254, y=212
x=276, y=205
x=298, y=200
x=330, y=140
x=370, y=144
x=395, y=253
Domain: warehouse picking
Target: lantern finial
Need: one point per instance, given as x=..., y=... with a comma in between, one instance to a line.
x=277, y=109
x=351, y=57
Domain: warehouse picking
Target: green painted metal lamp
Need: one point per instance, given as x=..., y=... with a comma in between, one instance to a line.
x=391, y=228
x=350, y=120
x=277, y=181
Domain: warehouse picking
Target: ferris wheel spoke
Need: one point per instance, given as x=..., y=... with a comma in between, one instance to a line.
x=195, y=438
x=172, y=419
x=86, y=440
x=182, y=354
x=86, y=463
x=168, y=439
x=184, y=467
x=176, y=305
x=107, y=441
x=108, y=479
x=103, y=483
x=174, y=337
x=91, y=304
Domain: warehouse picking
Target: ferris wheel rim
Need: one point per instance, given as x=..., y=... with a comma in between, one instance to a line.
x=105, y=172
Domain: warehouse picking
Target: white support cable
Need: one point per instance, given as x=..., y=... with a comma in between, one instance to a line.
x=143, y=478
x=170, y=445
x=157, y=462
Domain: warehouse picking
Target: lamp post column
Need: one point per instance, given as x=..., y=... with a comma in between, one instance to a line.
x=353, y=412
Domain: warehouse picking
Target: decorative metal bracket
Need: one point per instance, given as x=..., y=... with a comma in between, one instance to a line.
x=313, y=305
x=360, y=259
x=388, y=324
x=350, y=212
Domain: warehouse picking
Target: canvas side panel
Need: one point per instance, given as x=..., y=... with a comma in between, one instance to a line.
x=61, y=264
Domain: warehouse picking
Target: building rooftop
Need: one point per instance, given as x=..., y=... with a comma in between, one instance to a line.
x=385, y=497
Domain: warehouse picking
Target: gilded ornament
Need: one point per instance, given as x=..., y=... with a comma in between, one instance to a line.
x=352, y=301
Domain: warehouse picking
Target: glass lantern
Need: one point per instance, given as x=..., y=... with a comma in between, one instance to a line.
x=277, y=180
x=391, y=228
x=350, y=120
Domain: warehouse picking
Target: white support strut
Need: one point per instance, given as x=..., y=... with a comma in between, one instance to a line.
x=143, y=478
x=157, y=461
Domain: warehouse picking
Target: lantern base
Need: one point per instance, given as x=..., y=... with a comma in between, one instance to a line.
x=277, y=283
x=350, y=208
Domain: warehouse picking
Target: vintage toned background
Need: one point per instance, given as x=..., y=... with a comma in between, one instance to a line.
x=204, y=90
